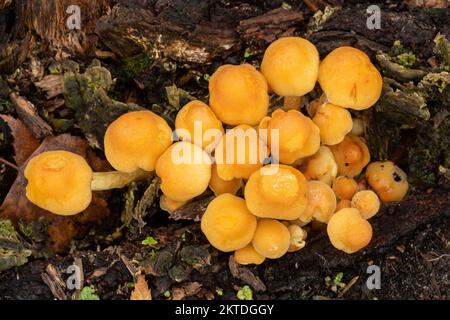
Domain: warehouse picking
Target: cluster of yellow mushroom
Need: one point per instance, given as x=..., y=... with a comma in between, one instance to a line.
x=268, y=187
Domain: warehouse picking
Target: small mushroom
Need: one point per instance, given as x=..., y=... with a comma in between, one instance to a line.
x=220, y=186
x=298, y=136
x=367, y=203
x=239, y=94
x=136, y=140
x=239, y=153
x=195, y=122
x=345, y=187
x=291, y=67
x=321, y=202
x=248, y=255
x=185, y=171
x=298, y=238
x=349, y=79
x=387, y=180
x=342, y=204
x=170, y=205
x=358, y=127
x=351, y=156
x=334, y=123
x=322, y=166
x=62, y=182
x=272, y=239
x=277, y=192
x=348, y=231
x=227, y=223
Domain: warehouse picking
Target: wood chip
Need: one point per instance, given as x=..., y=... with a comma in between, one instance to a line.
x=141, y=290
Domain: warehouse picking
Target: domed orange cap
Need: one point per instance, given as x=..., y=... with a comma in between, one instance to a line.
x=239, y=94
x=351, y=155
x=389, y=181
x=334, y=123
x=272, y=239
x=321, y=202
x=248, y=255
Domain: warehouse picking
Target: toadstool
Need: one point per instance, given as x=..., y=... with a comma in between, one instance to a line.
x=227, y=223
x=271, y=239
x=348, y=231
x=322, y=166
x=349, y=79
x=345, y=187
x=367, y=203
x=239, y=94
x=387, y=180
x=334, y=123
x=298, y=237
x=321, y=202
x=170, y=205
x=342, y=204
x=248, y=255
x=291, y=67
x=277, y=192
x=351, y=156
x=220, y=186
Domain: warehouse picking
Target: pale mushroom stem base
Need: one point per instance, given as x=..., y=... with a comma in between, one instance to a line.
x=292, y=103
x=115, y=179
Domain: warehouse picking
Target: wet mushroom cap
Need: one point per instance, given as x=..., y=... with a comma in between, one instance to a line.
x=321, y=202
x=351, y=155
x=322, y=166
x=170, y=205
x=185, y=171
x=239, y=94
x=197, y=113
x=220, y=186
x=59, y=182
x=334, y=123
x=298, y=136
x=345, y=187
x=291, y=66
x=277, y=192
x=349, y=79
x=248, y=255
x=272, y=239
x=342, y=204
x=387, y=180
x=367, y=203
x=348, y=231
x=227, y=223
x=136, y=140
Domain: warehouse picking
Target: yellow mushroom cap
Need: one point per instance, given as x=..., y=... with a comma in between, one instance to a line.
x=334, y=123
x=198, y=113
x=298, y=237
x=321, y=202
x=272, y=239
x=298, y=136
x=239, y=153
x=136, y=140
x=342, y=204
x=277, y=192
x=248, y=255
x=227, y=223
x=322, y=166
x=351, y=156
x=349, y=79
x=348, y=231
x=220, y=186
x=185, y=171
x=389, y=181
x=239, y=94
x=291, y=66
x=60, y=182
x=345, y=187
x=367, y=203
x=170, y=205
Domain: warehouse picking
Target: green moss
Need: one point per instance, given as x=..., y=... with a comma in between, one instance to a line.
x=245, y=293
x=88, y=293
x=131, y=67
x=149, y=241
x=13, y=252
x=407, y=59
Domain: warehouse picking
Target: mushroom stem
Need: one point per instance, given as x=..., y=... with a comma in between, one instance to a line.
x=292, y=103
x=116, y=179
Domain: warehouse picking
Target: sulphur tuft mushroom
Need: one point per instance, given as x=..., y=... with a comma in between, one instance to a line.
x=387, y=180
x=239, y=94
x=227, y=223
x=277, y=192
x=298, y=238
x=197, y=123
x=220, y=186
x=345, y=187
x=291, y=67
x=349, y=79
x=248, y=255
x=62, y=182
x=298, y=136
x=334, y=123
x=239, y=153
x=271, y=239
x=351, y=155
x=321, y=202
x=185, y=171
x=321, y=166
x=348, y=231
x=367, y=203
x=136, y=140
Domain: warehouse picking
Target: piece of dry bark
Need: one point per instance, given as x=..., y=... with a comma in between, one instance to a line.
x=245, y=275
x=141, y=290
x=52, y=85
x=193, y=210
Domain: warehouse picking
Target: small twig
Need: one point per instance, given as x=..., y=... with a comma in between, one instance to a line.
x=9, y=164
x=348, y=286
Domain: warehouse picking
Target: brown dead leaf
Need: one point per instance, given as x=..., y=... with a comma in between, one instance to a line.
x=59, y=230
x=24, y=143
x=187, y=290
x=245, y=275
x=141, y=290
